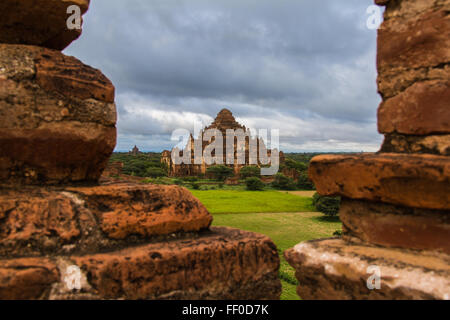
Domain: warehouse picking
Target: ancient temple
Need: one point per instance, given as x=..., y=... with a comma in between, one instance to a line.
x=135, y=151
x=223, y=122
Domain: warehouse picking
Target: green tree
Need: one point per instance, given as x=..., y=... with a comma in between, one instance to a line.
x=178, y=182
x=155, y=172
x=327, y=205
x=220, y=172
x=282, y=182
x=250, y=171
x=300, y=166
x=195, y=186
x=254, y=184
x=304, y=182
x=190, y=179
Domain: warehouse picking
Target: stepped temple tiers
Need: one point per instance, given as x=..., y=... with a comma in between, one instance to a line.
x=396, y=203
x=238, y=149
x=63, y=235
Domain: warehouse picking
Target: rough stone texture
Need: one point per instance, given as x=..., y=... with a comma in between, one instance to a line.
x=60, y=290
x=225, y=120
x=413, y=45
x=336, y=269
x=395, y=226
x=38, y=22
x=433, y=144
x=413, y=68
x=34, y=220
x=26, y=278
x=421, y=109
x=421, y=181
x=226, y=264
x=222, y=263
x=66, y=75
x=114, y=169
x=414, y=34
x=145, y=210
x=57, y=117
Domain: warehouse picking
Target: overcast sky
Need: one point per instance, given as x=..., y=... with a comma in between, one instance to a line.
x=306, y=67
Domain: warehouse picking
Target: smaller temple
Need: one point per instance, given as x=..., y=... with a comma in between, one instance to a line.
x=223, y=122
x=135, y=151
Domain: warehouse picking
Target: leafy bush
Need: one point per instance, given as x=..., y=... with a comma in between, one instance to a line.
x=159, y=180
x=282, y=182
x=139, y=165
x=155, y=172
x=337, y=233
x=304, y=182
x=254, y=184
x=327, y=205
x=195, y=186
x=315, y=198
x=190, y=179
x=292, y=164
x=178, y=182
x=250, y=171
x=220, y=172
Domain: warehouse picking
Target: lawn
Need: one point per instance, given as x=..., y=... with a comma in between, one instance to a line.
x=235, y=201
x=276, y=220
x=285, y=230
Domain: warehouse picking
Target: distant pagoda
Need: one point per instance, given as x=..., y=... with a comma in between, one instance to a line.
x=135, y=151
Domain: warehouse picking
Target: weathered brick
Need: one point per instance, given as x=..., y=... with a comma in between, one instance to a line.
x=421, y=181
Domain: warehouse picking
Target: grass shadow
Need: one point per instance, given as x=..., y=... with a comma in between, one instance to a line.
x=326, y=218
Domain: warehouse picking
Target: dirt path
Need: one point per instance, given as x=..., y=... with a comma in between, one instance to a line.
x=301, y=193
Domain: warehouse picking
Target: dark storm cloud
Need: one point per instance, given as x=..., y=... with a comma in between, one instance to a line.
x=308, y=66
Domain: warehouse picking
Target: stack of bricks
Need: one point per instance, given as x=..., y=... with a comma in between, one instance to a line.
x=65, y=236
x=395, y=205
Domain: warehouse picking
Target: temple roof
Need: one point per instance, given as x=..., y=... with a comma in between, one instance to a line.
x=225, y=120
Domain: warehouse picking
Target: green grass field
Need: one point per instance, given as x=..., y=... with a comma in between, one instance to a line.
x=235, y=201
x=287, y=219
